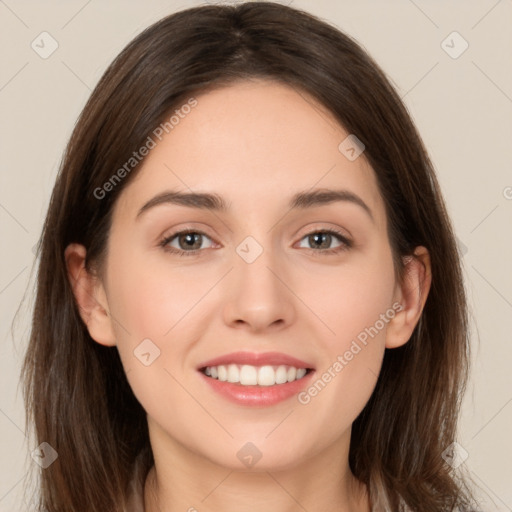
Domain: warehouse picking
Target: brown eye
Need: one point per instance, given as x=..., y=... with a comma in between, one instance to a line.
x=186, y=242
x=322, y=240
x=190, y=241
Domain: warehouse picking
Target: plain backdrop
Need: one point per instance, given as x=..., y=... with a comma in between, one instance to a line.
x=459, y=97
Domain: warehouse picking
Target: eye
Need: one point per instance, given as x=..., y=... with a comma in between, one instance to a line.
x=321, y=242
x=189, y=242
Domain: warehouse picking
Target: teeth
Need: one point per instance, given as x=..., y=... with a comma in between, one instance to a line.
x=248, y=375
x=281, y=375
x=233, y=373
x=266, y=376
x=223, y=373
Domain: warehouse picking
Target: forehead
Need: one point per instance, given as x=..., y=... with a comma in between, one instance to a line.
x=254, y=142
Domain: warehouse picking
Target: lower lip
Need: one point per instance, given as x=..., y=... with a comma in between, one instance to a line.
x=258, y=395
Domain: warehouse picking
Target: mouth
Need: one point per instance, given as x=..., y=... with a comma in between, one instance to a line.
x=249, y=375
x=256, y=379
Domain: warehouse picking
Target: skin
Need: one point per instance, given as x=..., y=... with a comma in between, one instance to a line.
x=255, y=143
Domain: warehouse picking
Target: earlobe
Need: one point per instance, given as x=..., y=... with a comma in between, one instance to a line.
x=412, y=294
x=90, y=296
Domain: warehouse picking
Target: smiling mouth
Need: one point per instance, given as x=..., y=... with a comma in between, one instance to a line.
x=249, y=375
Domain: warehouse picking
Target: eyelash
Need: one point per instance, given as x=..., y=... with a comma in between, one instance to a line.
x=346, y=243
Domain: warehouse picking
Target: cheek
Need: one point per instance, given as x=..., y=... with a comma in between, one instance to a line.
x=353, y=298
x=357, y=307
x=155, y=309
x=151, y=298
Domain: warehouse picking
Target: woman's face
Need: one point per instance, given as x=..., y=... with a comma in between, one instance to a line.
x=266, y=281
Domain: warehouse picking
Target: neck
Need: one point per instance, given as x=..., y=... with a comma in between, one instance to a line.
x=184, y=481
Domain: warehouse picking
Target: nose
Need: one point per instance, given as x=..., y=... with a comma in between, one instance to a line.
x=259, y=298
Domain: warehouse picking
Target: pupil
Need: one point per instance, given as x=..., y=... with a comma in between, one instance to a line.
x=189, y=237
x=316, y=237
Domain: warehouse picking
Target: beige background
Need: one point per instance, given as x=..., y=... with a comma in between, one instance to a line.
x=462, y=107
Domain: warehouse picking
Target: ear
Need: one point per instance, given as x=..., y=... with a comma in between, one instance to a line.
x=412, y=295
x=90, y=296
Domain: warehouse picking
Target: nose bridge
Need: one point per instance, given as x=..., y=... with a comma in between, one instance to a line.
x=258, y=297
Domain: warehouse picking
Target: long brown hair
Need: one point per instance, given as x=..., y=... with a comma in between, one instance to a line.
x=76, y=393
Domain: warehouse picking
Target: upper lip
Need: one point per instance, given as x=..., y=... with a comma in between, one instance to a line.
x=256, y=359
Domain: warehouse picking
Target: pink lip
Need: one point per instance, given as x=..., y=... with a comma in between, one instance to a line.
x=258, y=395
x=255, y=359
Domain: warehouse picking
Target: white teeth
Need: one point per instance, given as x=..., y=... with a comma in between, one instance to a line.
x=248, y=375
x=223, y=373
x=233, y=373
x=292, y=374
x=266, y=376
x=281, y=375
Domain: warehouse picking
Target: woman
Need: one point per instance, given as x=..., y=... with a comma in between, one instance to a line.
x=309, y=350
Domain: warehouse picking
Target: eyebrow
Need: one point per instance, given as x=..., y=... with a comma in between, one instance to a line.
x=215, y=202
